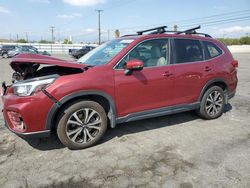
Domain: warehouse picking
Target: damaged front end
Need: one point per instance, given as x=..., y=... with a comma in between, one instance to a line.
x=33, y=74
x=30, y=66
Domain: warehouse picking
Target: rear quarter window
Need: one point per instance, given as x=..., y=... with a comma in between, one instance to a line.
x=212, y=49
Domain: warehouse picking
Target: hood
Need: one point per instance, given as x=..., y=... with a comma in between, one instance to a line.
x=41, y=59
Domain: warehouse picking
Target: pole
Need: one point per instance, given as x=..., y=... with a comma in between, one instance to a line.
x=99, y=25
x=27, y=38
x=52, y=34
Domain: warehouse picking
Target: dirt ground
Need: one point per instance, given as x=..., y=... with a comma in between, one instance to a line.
x=181, y=151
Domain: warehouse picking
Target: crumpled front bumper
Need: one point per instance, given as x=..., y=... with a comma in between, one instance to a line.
x=38, y=134
x=26, y=116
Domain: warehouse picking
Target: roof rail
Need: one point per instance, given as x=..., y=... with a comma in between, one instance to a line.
x=206, y=35
x=157, y=30
x=129, y=35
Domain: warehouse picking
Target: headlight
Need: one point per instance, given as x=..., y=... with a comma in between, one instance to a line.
x=28, y=87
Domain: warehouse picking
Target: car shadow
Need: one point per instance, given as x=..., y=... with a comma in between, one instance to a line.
x=44, y=144
x=153, y=123
x=52, y=143
x=228, y=107
x=149, y=124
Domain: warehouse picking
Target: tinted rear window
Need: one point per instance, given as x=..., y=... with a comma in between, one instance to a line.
x=212, y=49
x=188, y=50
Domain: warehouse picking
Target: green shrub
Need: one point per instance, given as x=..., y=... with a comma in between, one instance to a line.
x=235, y=41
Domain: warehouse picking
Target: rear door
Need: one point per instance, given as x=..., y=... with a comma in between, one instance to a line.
x=191, y=70
x=150, y=88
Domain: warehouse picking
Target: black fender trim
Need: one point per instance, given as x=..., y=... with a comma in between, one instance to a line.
x=158, y=112
x=209, y=83
x=54, y=109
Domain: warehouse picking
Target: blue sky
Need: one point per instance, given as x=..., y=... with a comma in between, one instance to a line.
x=78, y=18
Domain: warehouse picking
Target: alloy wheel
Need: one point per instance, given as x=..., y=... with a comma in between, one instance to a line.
x=83, y=126
x=214, y=103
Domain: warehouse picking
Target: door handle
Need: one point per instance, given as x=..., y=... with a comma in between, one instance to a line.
x=167, y=74
x=207, y=69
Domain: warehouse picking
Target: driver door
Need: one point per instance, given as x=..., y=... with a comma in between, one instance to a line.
x=150, y=88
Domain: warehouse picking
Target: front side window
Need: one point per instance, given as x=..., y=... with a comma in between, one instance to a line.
x=151, y=52
x=105, y=52
x=213, y=50
x=188, y=50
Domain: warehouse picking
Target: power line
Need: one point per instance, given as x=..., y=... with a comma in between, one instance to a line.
x=230, y=14
x=216, y=16
x=217, y=21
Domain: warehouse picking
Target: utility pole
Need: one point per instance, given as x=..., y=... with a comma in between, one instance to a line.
x=27, y=37
x=52, y=33
x=99, y=25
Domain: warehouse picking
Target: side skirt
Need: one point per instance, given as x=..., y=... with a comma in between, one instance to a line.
x=158, y=112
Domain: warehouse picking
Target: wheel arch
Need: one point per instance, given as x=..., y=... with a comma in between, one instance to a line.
x=215, y=82
x=100, y=97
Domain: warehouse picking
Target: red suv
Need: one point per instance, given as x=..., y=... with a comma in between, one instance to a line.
x=130, y=78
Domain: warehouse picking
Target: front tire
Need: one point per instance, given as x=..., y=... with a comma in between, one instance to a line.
x=212, y=103
x=82, y=124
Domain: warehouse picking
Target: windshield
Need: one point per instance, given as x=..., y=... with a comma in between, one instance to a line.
x=17, y=48
x=105, y=52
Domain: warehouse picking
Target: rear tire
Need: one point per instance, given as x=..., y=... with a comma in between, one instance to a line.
x=82, y=124
x=212, y=103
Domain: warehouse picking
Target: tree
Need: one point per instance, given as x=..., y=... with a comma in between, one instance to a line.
x=235, y=41
x=117, y=33
x=245, y=40
x=45, y=42
x=175, y=28
x=67, y=41
x=21, y=41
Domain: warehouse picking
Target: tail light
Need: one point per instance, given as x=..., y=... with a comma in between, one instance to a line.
x=235, y=63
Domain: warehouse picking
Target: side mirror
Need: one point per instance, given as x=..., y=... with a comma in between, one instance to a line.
x=133, y=65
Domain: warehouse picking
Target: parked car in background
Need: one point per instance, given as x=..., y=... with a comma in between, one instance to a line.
x=71, y=51
x=5, y=48
x=127, y=79
x=25, y=49
x=29, y=47
x=44, y=52
x=81, y=52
